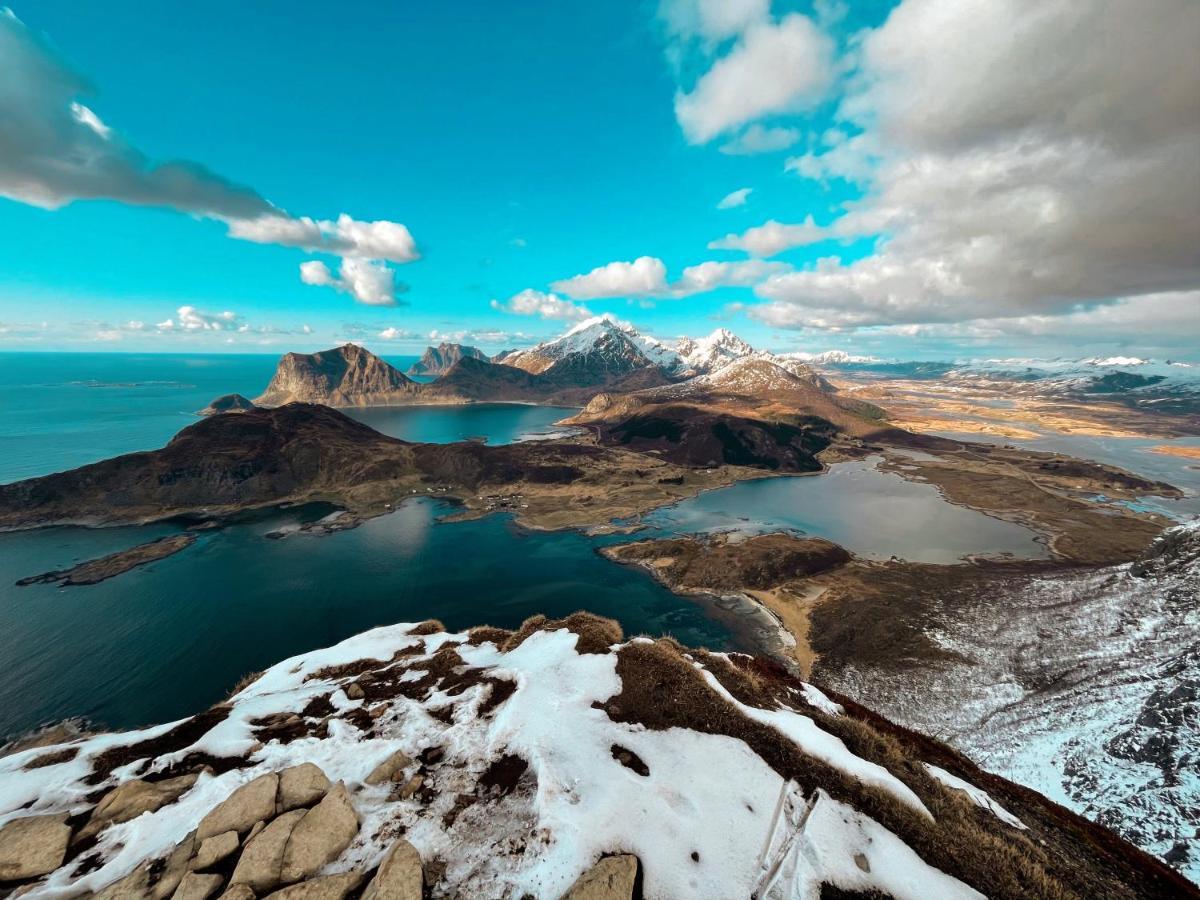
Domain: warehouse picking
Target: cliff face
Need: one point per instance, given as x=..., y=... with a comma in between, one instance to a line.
x=491, y=763
x=344, y=376
x=441, y=359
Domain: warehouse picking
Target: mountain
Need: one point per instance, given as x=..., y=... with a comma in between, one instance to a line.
x=440, y=359
x=829, y=358
x=707, y=354
x=594, y=352
x=556, y=760
x=1083, y=684
x=344, y=376
x=227, y=403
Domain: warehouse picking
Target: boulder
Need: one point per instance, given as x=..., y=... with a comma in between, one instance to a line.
x=32, y=846
x=129, y=800
x=354, y=691
x=411, y=786
x=134, y=886
x=262, y=860
x=197, y=887
x=320, y=837
x=390, y=768
x=250, y=803
x=214, y=849
x=237, y=892
x=399, y=876
x=175, y=868
x=301, y=785
x=327, y=887
x=611, y=878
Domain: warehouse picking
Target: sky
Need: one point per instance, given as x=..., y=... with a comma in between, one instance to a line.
x=911, y=179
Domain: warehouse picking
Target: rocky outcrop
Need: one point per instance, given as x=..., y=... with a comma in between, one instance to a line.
x=131, y=799
x=612, y=878
x=344, y=376
x=690, y=436
x=227, y=403
x=32, y=846
x=626, y=787
x=441, y=359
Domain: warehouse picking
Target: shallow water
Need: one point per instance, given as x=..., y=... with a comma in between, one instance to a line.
x=167, y=639
x=872, y=513
x=1129, y=453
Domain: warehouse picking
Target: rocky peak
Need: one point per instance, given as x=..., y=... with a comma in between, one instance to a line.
x=349, y=375
x=440, y=359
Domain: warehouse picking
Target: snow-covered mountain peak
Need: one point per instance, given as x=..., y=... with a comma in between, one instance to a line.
x=708, y=354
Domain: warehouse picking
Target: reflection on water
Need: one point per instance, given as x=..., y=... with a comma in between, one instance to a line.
x=498, y=423
x=872, y=513
x=168, y=639
x=1131, y=454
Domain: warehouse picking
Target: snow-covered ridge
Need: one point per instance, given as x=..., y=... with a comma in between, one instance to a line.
x=510, y=765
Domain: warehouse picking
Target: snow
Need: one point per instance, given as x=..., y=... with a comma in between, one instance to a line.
x=978, y=796
x=698, y=831
x=709, y=354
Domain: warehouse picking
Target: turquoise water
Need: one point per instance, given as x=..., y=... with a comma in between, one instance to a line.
x=165, y=640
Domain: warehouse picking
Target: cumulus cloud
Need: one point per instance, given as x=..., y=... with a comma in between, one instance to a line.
x=711, y=20
x=391, y=333
x=380, y=240
x=734, y=198
x=758, y=138
x=54, y=150
x=646, y=275
x=367, y=281
x=772, y=237
x=708, y=276
x=774, y=68
x=189, y=318
x=543, y=305
x=1011, y=172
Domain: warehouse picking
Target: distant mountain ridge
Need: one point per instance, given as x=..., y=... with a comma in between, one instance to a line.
x=349, y=375
x=441, y=359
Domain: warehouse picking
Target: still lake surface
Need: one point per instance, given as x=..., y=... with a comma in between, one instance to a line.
x=167, y=639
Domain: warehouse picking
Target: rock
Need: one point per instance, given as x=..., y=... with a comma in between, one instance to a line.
x=227, y=403
x=32, y=846
x=214, y=849
x=262, y=861
x=411, y=786
x=325, y=831
x=355, y=691
x=328, y=887
x=301, y=785
x=611, y=878
x=129, y=800
x=197, y=887
x=390, y=768
x=237, y=892
x=133, y=886
x=175, y=868
x=239, y=811
x=399, y=876
x=258, y=826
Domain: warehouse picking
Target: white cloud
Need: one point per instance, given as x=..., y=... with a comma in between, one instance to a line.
x=761, y=139
x=772, y=237
x=546, y=306
x=381, y=240
x=645, y=275
x=709, y=276
x=734, y=198
x=190, y=318
x=367, y=281
x=712, y=20
x=54, y=150
x=392, y=333
x=774, y=68
x=1009, y=172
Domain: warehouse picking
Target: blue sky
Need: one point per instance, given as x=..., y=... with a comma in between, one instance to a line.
x=520, y=145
